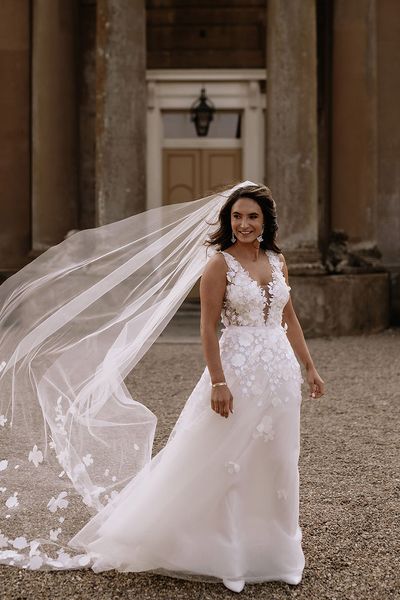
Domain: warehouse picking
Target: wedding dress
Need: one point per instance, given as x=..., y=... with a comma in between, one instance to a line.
x=221, y=498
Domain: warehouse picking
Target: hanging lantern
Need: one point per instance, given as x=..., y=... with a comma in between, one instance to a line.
x=201, y=113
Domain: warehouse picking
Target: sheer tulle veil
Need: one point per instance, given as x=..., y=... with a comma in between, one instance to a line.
x=73, y=324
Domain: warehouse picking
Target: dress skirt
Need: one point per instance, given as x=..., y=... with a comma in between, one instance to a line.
x=221, y=499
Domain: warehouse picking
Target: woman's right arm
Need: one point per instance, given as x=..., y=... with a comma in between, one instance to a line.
x=212, y=290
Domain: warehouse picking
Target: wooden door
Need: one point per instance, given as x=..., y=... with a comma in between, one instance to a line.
x=191, y=173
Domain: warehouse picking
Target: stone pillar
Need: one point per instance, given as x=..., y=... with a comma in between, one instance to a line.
x=354, y=122
x=15, y=75
x=388, y=82
x=54, y=122
x=291, y=129
x=120, y=109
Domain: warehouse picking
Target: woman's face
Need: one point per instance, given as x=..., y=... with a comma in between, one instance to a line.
x=246, y=220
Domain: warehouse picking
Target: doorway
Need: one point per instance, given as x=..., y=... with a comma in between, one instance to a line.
x=190, y=173
x=182, y=166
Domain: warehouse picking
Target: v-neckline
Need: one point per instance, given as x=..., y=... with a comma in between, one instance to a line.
x=262, y=287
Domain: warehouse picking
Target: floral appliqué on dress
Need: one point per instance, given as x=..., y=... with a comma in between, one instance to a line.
x=254, y=337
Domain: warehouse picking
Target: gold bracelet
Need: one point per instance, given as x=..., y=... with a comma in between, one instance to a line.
x=218, y=384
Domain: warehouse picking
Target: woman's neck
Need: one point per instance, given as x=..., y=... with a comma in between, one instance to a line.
x=247, y=251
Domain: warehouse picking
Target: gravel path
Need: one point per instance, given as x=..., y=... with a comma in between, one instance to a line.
x=349, y=473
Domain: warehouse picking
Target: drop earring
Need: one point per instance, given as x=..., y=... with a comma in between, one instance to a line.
x=233, y=238
x=260, y=237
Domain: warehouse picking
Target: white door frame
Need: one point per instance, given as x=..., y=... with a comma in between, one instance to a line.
x=235, y=89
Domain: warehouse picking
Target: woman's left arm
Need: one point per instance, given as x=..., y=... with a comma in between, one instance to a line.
x=296, y=338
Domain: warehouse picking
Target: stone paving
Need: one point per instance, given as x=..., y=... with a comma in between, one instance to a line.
x=349, y=478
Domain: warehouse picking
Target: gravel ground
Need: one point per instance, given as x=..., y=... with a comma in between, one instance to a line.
x=349, y=474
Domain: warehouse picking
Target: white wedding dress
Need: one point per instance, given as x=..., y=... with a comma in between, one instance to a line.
x=221, y=499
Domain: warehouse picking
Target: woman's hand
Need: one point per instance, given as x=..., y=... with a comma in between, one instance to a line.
x=222, y=400
x=316, y=384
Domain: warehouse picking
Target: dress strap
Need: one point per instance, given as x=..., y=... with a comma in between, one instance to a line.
x=277, y=266
x=230, y=261
x=274, y=260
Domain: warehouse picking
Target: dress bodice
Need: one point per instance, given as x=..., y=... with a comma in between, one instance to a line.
x=246, y=302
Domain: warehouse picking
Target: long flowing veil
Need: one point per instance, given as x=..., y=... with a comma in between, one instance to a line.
x=73, y=324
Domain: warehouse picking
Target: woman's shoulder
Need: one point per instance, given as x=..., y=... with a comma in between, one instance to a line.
x=216, y=262
x=214, y=274
x=281, y=257
x=278, y=258
x=282, y=263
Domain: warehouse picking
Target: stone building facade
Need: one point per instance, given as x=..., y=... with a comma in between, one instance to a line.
x=94, y=126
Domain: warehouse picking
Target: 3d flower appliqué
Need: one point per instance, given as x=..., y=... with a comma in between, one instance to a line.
x=3, y=420
x=35, y=563
x=12, y=501
x=79, y=468
x=59, y=502
x=87, y=459
x=63, y=457
x=282, y=494
x=35, y=456
x=232, y=467
x=276, y=401
x=3, y=465
x=60, y=417
x=264, y=429
x=20, y=543
x=238, y=360
x=54, y=533
x=112, y=496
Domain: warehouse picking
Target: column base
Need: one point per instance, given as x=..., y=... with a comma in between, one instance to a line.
x=351, y=304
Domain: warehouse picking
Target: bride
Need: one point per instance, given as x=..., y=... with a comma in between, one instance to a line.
x=220, y=501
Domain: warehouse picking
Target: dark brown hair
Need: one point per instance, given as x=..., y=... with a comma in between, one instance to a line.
x=260, y=194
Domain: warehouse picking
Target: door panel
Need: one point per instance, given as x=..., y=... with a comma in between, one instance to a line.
x=181, y=175
x=191, y=173
x=220, y=167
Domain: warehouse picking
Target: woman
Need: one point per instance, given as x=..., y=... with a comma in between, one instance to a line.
x=229, y=487
x=221, y=498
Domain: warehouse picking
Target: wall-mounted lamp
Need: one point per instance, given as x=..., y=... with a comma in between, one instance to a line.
x=201, y=113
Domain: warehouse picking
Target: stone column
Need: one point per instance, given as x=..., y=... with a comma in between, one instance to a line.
x=354, y=126
x=291, y=129
x=120, y=109
x=15, y=75
x=54, y=122
x=388, y=82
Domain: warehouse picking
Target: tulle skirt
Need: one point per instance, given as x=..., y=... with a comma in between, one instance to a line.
x=221, y=499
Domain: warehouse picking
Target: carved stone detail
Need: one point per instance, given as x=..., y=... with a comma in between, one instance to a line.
x=345, y=257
